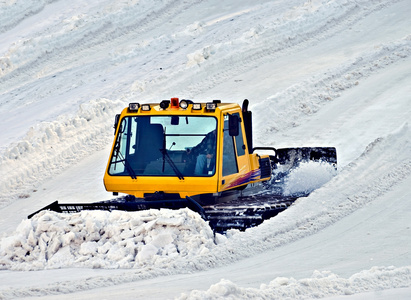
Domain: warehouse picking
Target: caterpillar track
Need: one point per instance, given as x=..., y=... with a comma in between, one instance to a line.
x=245, y=212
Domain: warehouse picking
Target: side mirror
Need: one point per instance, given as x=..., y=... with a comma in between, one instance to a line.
x=233, y=125
x=116, y=119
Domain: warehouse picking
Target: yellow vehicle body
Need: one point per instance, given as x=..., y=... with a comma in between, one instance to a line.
x=141, y=183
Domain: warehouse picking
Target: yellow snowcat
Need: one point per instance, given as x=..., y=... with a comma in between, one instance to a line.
x=176, y=154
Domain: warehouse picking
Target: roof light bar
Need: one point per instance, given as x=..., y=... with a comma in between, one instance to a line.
x=133, y=106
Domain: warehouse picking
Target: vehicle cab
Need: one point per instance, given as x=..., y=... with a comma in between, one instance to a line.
x=183, y=148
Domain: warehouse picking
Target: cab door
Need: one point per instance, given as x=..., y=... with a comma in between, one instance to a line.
x=235, y=168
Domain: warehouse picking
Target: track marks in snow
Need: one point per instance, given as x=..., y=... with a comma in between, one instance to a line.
x=83, y=36
x=303, y=99
x=13, y=12
x=299, y=28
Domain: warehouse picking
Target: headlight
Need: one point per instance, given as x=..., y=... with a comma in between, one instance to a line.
x=211, y=106
x=145, y=107
x=184, y=103
x=164, y=104
x=133, y=106
x=196, y=106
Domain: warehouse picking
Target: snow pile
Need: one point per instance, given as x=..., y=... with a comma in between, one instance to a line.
x=321, y=284
x=200, y=56
x=100, y=239
x=308, y=177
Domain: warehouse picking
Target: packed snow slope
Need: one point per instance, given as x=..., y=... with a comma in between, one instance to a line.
x=317, y=73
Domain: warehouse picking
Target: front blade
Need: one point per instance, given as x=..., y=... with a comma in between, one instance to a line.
x=295, y=156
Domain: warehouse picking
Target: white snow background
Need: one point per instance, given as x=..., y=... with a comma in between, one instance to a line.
x=317, y=73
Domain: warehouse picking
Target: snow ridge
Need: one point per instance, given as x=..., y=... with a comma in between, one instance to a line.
x=51, y=147
x=320, y=285
x=307, y=97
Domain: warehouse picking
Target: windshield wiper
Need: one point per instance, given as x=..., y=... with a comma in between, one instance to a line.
x=167, y=158
x=126, y=164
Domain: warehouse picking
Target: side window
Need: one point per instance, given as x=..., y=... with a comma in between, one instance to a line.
x=239, y=141
x=117, y=165
x=133, y=136
x=229, y=157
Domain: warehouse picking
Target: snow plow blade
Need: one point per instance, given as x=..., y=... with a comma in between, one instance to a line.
x=127, y=203
x=294, y=156
x=242, y=213
x=284, y=160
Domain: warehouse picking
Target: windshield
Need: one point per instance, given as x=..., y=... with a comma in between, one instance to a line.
x=165, y=146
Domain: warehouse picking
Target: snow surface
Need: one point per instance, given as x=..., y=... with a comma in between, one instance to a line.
x=317, y=73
